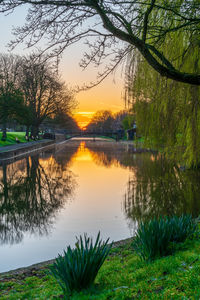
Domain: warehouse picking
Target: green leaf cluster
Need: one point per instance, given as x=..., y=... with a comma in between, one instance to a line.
x=154, y=238
x=182, y=227
x=128, y=121
x=168, y=112
x=78, y=268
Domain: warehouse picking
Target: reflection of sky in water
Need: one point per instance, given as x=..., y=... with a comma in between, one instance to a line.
x=85, y=186
x=73, y=191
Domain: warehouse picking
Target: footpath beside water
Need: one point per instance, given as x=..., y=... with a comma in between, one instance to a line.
x=14, y=151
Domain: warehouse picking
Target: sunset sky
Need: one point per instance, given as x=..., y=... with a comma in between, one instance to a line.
x=108, y=95
x=83, y=118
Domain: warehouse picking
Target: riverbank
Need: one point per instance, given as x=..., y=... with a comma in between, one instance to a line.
x=13, y=151
x=122, y=276
x=44, y=264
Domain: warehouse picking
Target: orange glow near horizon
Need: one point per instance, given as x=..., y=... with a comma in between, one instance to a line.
x=83, y=118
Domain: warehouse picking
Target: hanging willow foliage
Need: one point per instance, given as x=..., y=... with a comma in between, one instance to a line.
x=168, y=112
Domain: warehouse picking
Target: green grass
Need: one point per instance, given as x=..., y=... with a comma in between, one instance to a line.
x=11, y=136
x=122, y=276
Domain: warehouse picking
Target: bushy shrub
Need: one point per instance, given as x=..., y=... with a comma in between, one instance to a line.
x=182, y=227
x=155, y=238
x=152, y=239
x=78, y=267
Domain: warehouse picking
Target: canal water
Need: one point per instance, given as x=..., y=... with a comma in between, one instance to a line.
x=84, y=186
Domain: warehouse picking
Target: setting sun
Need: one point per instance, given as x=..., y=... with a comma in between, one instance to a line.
x=83, y=118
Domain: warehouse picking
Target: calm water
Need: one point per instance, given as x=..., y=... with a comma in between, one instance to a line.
x=85, y=186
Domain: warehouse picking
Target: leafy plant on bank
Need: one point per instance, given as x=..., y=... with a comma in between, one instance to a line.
x=77, y=268
x=182, y=228
x=155, y=238
x=152, y=239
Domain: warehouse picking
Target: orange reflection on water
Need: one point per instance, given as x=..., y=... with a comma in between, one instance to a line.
x=82, y=154
x=98, y=175
x=90, y=151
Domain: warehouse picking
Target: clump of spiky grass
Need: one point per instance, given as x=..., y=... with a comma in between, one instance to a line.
x=152, y=239
x=182, y=228
x=155, y=238
x=77, y=268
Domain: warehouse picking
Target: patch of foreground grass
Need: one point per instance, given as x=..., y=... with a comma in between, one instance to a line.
x=11, y=136
x=122, y=276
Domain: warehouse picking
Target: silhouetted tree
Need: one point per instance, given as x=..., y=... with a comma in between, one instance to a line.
x=11, y=97
x=44, y=92
x=102, y=122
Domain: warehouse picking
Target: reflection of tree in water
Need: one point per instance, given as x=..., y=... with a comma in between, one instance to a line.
x=103, y=159
x=157, y=188
x=31, y=192
x=64, y=153
x=108, y=154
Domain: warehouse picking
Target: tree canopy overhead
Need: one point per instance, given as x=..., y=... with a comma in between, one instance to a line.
x=144, y=25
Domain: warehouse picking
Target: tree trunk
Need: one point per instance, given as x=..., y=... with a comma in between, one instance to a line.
x=27, y=132
x=34, y=131
x=4, y=132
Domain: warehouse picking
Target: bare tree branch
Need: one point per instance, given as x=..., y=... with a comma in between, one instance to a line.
x=141, y=24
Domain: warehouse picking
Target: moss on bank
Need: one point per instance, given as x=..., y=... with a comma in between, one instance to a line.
x=123, y=276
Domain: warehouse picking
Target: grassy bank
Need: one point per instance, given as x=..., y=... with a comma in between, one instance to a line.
x=122, y=276
x=11, y=138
